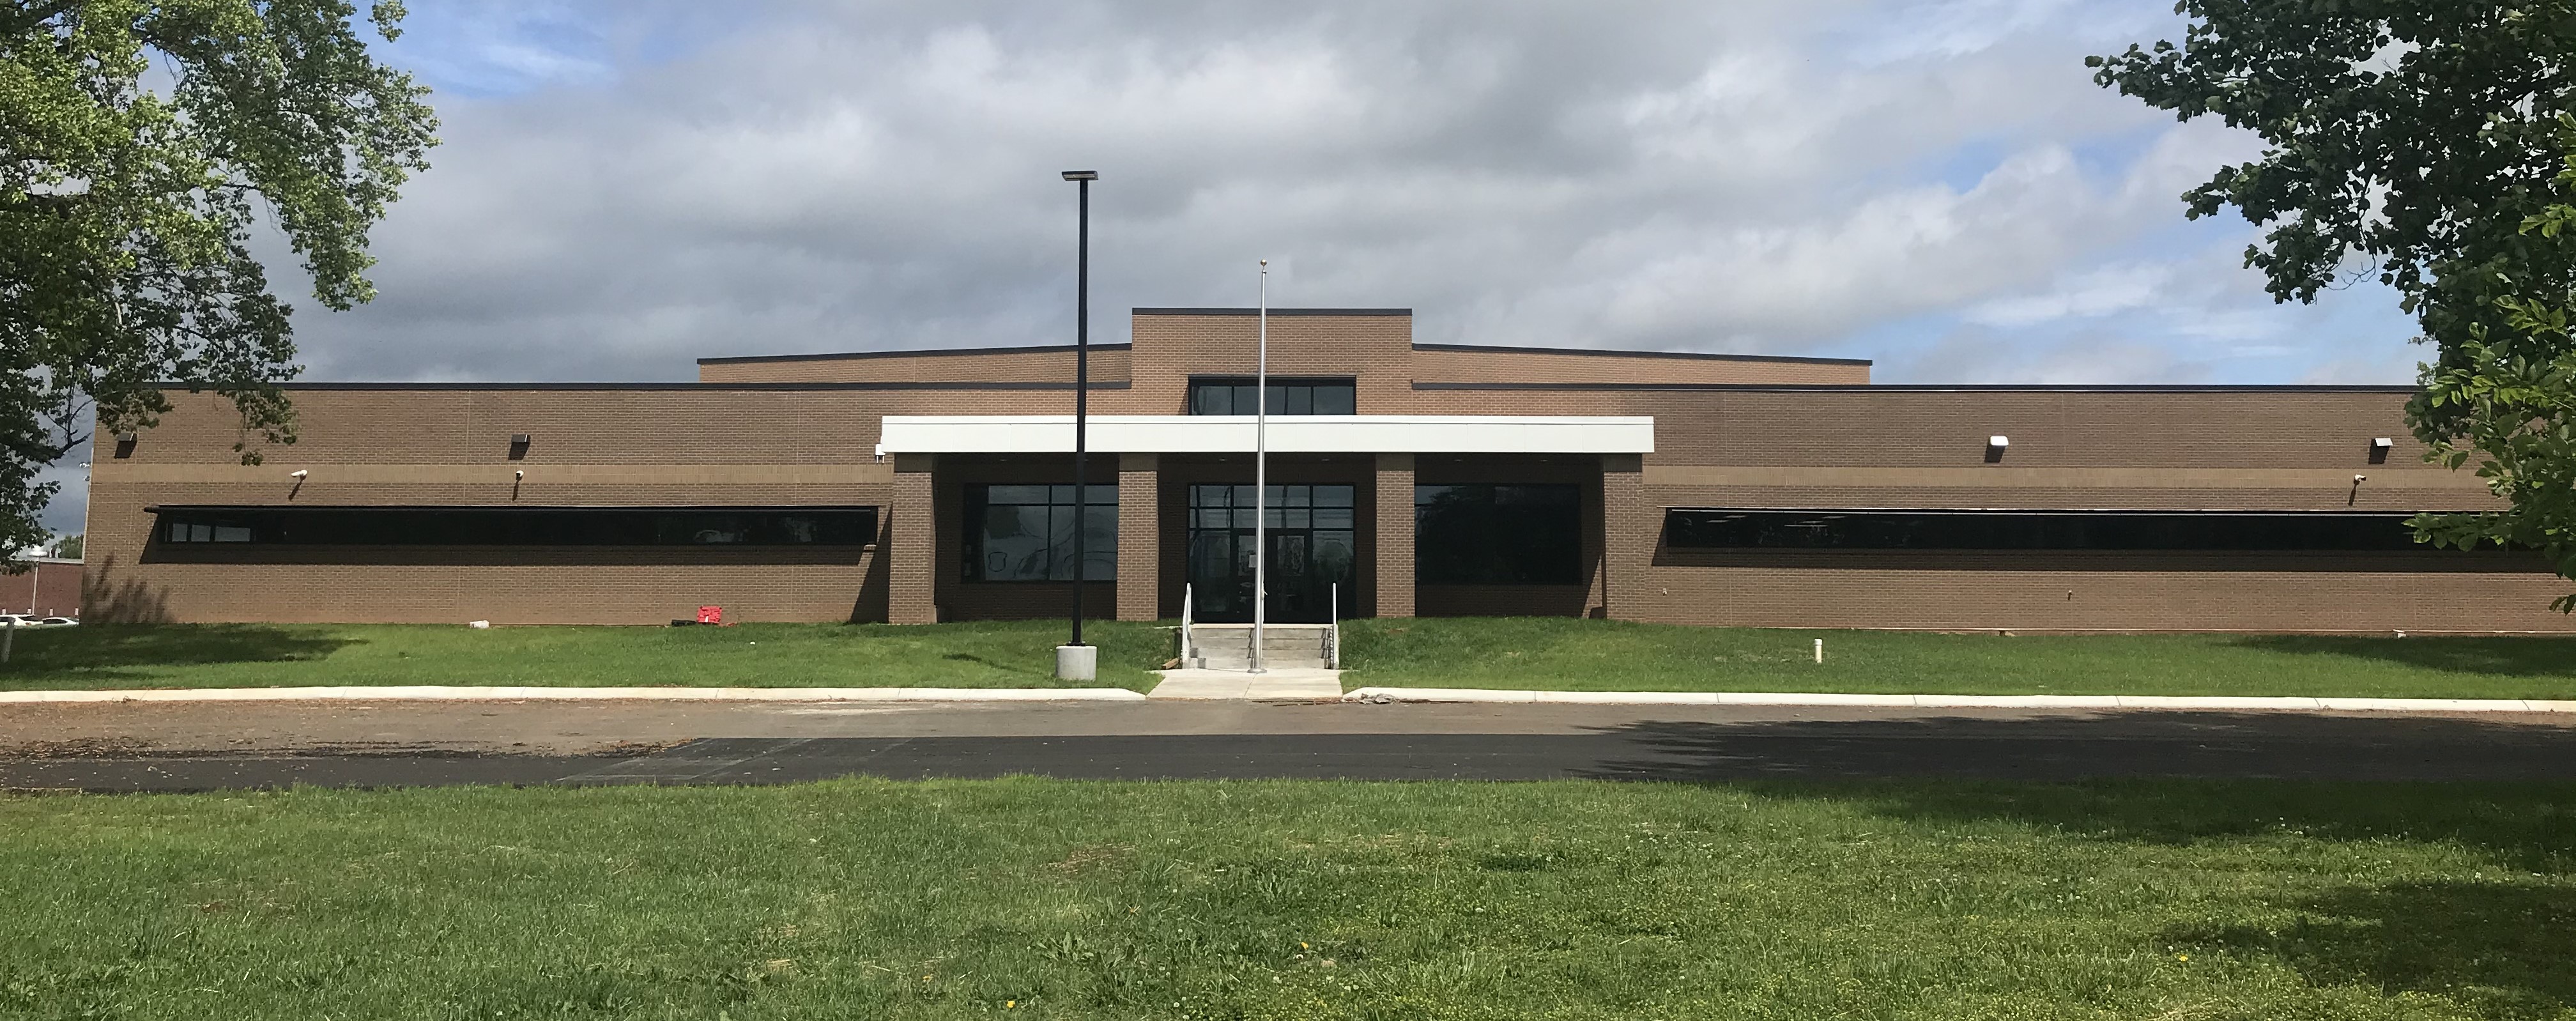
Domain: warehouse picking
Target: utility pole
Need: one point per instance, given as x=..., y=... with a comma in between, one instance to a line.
x=1076, y=661
x=1261, y=473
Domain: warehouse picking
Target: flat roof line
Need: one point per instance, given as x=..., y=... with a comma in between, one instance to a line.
x=1608, y=353
x=844, y=356
x=1118, y=384
x=1276, y=311
x=2100, y=511
x=1934, y=387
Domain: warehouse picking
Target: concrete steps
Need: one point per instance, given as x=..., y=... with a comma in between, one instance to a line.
x=1283, y=646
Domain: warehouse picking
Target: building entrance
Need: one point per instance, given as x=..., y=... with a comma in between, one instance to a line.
x=1312, y=535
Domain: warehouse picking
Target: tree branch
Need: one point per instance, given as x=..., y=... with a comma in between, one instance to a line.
x=23, y=17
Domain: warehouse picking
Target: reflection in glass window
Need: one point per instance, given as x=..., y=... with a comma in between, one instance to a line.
x=1287, y=397
x=1524, y=534
x=1025, y=533
x=521, y=526
x=1712, y=528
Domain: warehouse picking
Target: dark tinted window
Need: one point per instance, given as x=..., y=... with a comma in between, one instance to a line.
x=522, y=526
x=1287, y=397
x=1498, y=535
x=2042, y=530
x=1025, y=533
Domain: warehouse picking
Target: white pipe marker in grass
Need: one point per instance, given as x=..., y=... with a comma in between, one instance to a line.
x=1820, y=650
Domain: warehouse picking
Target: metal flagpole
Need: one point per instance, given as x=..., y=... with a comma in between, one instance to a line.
x=1261, y=473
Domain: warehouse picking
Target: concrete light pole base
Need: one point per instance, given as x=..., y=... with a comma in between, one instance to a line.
x=1077, y=662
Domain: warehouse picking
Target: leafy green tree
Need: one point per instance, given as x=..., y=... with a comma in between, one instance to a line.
x=139, y=142
x=2421, y=144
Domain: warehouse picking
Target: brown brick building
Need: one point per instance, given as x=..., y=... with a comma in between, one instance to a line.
x=1406, y=479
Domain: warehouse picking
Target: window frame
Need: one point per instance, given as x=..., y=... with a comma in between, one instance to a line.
x=512, y=527
x=1430, y=559
x=1937, y=530
x=1289, y=388
x=976, y=506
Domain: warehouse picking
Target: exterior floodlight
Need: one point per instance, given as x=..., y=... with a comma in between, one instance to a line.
x=297, y=473
x=1082, y=175
x=2383, y=443
x=1999, y=442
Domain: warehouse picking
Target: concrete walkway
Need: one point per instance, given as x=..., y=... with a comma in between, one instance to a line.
x=2167, y=702
x=1301, y=683
x=464, y=693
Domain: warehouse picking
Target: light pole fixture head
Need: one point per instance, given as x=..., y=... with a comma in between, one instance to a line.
x=1082, y=175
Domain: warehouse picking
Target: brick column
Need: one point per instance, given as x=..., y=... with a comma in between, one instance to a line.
x=1140, y=537
x=912, y=547
x=1395, y=535
x=1628, y=531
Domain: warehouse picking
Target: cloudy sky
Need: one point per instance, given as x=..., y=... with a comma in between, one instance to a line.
x=627, y=185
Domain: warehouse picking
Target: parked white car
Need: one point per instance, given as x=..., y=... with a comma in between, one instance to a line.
x=31, y=620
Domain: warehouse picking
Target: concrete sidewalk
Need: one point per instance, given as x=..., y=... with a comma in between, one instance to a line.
x=1504, y=696
x=444, y=693
x=1305, y=683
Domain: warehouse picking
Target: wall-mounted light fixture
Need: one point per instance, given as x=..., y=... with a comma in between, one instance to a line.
x=298, y=474
x=2379, y=449
x=518, y=446
x=1995, y=446
x=124, y=445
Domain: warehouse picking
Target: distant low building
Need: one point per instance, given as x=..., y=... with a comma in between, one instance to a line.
x=1404, y=479
x=44, y=586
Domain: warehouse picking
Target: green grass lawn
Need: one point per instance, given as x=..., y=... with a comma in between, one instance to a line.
x=1051, y=899
x=1551, y=653
x=1595, y=655
x=972, y=655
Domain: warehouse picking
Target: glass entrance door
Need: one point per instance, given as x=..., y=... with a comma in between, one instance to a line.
x=1313, y=546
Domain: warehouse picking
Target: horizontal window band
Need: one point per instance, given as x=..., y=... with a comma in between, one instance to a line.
x=706, y=527
x=1688, y=528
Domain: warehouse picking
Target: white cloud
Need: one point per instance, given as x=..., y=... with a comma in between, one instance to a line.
x=1770, y=176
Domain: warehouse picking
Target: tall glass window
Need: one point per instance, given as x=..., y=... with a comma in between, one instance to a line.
x=1025, y=533
x=1498, y=535
x=1287, y=396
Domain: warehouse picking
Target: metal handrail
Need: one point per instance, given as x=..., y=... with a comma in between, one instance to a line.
x=1333, y=638
x=1187, y=646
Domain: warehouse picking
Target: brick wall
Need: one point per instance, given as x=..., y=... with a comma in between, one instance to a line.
x=44, y=587
x=987, y=365
x=1140, y=537
x=1465, y=364
x=1394, y=591
x=759, y=437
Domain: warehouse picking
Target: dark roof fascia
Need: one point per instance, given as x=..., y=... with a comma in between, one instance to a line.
x=167, y=508
x=2109, y=511
x=849, y=356
x=1931, y=387
x=1688, y=355
x=1283, y=312
x=1116, y=384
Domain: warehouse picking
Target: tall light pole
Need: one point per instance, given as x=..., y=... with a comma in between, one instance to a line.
x=1261, y=472
x=1084, y=665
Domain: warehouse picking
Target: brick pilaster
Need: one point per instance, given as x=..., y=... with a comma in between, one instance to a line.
x=912, y=549
x=1629, y=528
x=1394, y=535
x=1140, y=536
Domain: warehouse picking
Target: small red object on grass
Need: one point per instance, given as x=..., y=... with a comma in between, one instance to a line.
x=711, y=615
